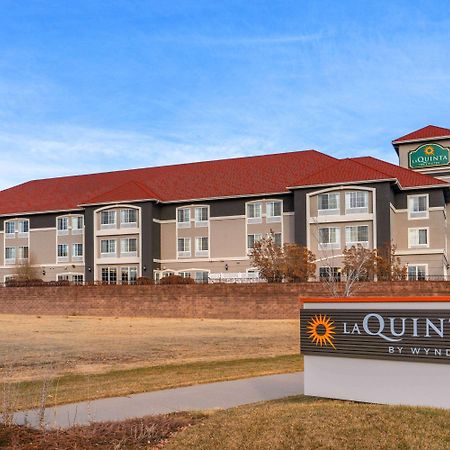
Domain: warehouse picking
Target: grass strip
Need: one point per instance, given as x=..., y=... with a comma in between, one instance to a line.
x=78, y=387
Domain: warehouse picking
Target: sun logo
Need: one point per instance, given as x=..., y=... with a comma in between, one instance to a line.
x=429, y=150
x=321, y=330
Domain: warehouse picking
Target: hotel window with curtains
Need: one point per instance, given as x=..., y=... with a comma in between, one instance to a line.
x=357, y=235
x=128, y=217
x=77, y=225
x=108, y=219
x=184, y=247
x=254, y=212
x=201, y=246
x=329, y=238
x=184, y=218
x=356, y=202
x=418, y=206
x=201, y=216
x=328, y=204
x=418, y=237
x=273, y=211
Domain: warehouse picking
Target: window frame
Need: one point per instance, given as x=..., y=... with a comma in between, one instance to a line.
x=256, y=206
x=128, y=252
x=75, y=256
x=336, y=245
x=199, y=250
x=184, y=253
x=108, y=254
x=76, y=220
x=61, y=220
x=9, y=235
x=416, y=275
x=357, y=242
x=60, y=257
x=108, y=213
x=418, y=244
x=12, y=259
x=186, y=214
x=20, y=232
x=249, y=249
x=124, y=216
x=329, y=211
x=410, y=203
x=270, y=216
x=356, y=209
x=203, y=222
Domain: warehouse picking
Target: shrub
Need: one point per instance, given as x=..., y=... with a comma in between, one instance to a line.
x=144, y=281
x=176, y=279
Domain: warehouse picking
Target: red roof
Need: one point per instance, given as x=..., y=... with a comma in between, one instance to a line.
x=246, y=176
x=428, y=132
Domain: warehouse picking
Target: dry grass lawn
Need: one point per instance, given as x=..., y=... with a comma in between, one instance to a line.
x=32, y=347
x=302, y=423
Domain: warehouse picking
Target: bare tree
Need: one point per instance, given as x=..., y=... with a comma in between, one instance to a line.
x=25, y=271
x=359, y=265
x=291, y=262
x=388, y=265
x=298, y=263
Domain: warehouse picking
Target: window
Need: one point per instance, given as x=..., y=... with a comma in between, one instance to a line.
x=109, y=275
x=128, y=246
x=183, y=218
x=357, y=235
x=77, y=225
x=77, y=252
x=23, y=226
x=10, y=229
x=185, y=274
x=108, y=247
x=10, y=255
x=184, y=247
x=128, y=275
x=62, y=225
x=417, y=237
x=22, y=253
x=277, y=239
x=273, y=211
x=418, y=206
x=254, y=212
x=329, y=238
x=108, y=219
x=63, y=252
x=201, y=246
x=252, y=238
x=330, y=273
x=201, y=216
x=417, y=272
x=201, y=277
x=328, y=204
x=63, y=277
x=356, y=202
x=78, y=279
x=128, y=218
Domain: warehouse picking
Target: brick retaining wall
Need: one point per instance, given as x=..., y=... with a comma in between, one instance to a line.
x=224, y=301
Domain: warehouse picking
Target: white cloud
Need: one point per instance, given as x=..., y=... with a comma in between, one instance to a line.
x=68, y=150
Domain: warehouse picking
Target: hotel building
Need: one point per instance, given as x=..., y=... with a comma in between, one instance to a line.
x=202, y=219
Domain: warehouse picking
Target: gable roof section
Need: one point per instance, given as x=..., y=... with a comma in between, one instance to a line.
x=406, y=178
x=428, y=132
x=236, y=177
x=211, y=179
x=129, y=191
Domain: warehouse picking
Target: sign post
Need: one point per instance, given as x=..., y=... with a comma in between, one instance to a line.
x=384, y=350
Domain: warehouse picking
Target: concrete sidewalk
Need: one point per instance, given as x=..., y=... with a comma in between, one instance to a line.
x=220, y=395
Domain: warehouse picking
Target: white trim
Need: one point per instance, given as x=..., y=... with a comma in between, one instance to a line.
x=429, y=139
x=350, y=183
x=419, y=251
x=230, y=258
x=342, y=218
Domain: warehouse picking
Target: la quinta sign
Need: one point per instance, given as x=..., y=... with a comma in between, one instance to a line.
x=407, y=335
x=428, y=155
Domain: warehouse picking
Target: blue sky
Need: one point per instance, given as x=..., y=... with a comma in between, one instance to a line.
x=90, y=86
